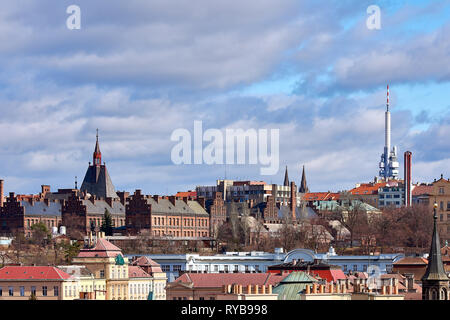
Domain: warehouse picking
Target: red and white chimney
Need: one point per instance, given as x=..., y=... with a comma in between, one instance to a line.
x=408, y=179
x=2, y=192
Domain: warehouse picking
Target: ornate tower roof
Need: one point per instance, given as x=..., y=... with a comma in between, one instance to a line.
x=97, y=180
x=97, y=157
x=435, y=269
x=303, y=185
x=286, y=179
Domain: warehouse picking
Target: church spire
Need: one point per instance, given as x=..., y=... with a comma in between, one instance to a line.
x=286, y=179
x=435, y=281
x=97, y=154
x=303, y=185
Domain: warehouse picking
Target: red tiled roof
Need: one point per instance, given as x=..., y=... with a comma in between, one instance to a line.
x=320, y=196
x=411, y=260
x=103, y=248
x=214, y=280
x=144, y=261
x=420, y=190
x=137, y=272
x=367, y=188
x=186, y=194
x=32, y=273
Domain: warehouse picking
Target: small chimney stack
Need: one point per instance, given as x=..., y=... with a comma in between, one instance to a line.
x=2, y=191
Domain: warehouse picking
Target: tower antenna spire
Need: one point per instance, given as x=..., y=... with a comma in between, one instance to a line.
x=387, y=104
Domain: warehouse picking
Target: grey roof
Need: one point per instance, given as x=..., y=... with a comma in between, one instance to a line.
x=286, y=178
x=435, y=269
x=76, y=270
x=97, y=182
x=40, y=208
x=303, y=186
x=100, y=206
x=164, y=206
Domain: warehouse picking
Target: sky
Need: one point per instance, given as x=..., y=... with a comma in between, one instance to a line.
x=138, y=70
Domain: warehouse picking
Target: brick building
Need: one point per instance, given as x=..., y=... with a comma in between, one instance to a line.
x=20, y=215
x=167, y=217
x=83, y=214
x=217, y=212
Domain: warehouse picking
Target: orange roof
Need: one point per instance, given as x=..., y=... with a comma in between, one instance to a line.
x=137, y=272
x=368, y=188
x=103, y=248
x=411, y=260
x=420, y=190
x=182, y=194
x=320, y=196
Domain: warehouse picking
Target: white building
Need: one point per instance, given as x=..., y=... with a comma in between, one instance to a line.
x=250, y=262
x=381, y=264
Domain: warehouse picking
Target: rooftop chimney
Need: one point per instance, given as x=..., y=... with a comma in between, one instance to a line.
x=1, y=193
x=293, y=200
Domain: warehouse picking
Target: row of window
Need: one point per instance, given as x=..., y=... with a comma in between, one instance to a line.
x=99, y=221
x=200, y=298
x=139, y=288
x=179, y=233
x=117, y=274
x=364, y=268
x=44, y=291
x=215, y=268
x=390, y=196
x=441, y=205
x=190, y=222
x=49, y=222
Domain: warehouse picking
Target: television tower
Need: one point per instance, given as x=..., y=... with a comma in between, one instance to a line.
x=389, y=164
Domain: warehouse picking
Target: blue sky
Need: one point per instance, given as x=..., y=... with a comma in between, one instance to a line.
x=138, y=70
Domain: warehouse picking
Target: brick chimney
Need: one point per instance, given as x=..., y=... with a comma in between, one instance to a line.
x=123, y=195
x=156, y=198
x=44, y=190
x=409, y=282
x=109, y=201
x=172, y=200
x=293, y=200
x=201, y=201
x=2, y=191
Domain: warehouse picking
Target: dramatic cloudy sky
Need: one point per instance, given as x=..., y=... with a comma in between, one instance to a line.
x=138, y=70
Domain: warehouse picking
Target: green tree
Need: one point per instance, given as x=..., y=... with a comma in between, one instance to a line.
x=41, y=234
x=71, y=250
x=107, y=223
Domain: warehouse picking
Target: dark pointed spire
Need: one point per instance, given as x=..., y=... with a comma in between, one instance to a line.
x=303, y=185
x=286, y=179
x=435, y=269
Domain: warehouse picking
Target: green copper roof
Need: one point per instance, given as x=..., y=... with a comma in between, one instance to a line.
x=119, y=260
x=293, y=285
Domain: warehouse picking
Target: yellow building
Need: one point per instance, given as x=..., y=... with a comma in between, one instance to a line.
x=88, y=287
x=158, y=277
x=139, y=284
x=106, y=261
x=441, y=195
x=41, y=282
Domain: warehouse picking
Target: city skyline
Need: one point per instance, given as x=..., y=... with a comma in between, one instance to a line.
x=316, y=73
